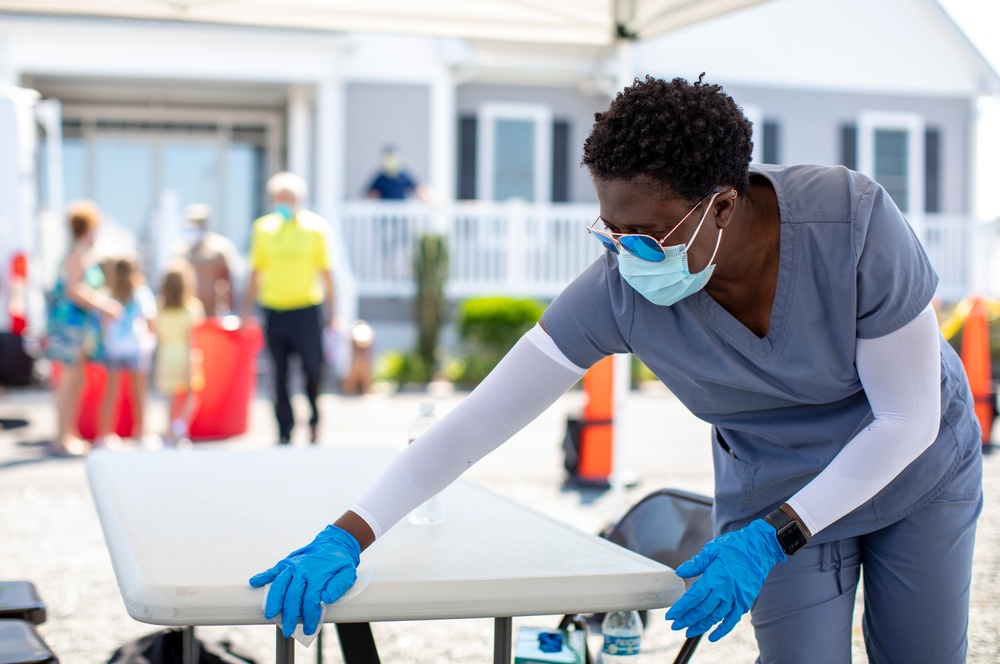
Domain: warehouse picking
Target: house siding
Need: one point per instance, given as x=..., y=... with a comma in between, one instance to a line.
x=385, y=114
x=810, y=123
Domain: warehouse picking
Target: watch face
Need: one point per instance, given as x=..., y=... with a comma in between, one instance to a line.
x=791, y=538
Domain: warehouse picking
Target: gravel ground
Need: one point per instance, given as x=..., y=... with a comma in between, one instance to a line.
x=50, y=533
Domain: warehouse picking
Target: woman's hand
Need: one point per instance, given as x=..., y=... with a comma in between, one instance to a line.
x=319, y=572
x=733, y=568
x=110, y=308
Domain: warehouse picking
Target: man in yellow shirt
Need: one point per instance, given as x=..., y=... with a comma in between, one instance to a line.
x=291, y=280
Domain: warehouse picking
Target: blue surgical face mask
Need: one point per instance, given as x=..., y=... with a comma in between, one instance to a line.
x=194, y=234
x=668, y=281
x=284, y=210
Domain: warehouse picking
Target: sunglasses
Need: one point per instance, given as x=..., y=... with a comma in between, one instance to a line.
x=642, y=246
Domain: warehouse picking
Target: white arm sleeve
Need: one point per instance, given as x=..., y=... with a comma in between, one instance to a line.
x=527, y=381
x=901, y=376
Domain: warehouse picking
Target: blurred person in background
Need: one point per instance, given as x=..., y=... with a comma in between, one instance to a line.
x=393, y=182
x=214, y=259
x=291, y=280
x=75, y=308
x=179, y=375
x=127, y=349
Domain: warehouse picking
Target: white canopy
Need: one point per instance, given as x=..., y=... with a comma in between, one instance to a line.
x=594, y=22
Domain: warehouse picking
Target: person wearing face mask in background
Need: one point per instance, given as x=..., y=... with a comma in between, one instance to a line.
x=292, y=281
x=790, y=308
x=393, y=182
x=214, y=259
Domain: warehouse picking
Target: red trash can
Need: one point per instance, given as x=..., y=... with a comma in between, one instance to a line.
x=95, y=380
x=229, y=362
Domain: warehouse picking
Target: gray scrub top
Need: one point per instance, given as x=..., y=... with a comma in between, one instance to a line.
x=784, y=405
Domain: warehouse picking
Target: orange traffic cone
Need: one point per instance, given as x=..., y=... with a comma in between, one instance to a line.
x=596, y=435
x=976, y=359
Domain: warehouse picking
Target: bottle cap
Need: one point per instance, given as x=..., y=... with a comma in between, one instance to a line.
x=426, y=408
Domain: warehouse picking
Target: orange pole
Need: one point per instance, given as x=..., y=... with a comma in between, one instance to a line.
x=596, y=435
x=976, y=359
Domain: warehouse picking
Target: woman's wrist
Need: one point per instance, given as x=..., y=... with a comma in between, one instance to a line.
x=357, y=527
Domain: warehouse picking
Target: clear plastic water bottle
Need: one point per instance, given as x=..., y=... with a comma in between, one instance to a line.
x=432, y=511
x=622, y=631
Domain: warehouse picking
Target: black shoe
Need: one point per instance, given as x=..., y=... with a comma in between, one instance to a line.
x=313, y=433
x=284, y=440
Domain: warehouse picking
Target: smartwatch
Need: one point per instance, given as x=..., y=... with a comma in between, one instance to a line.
x=791, y=534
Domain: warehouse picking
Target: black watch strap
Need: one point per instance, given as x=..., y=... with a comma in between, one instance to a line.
x=791, y=534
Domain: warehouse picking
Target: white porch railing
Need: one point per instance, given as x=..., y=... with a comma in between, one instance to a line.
x=494, y=248
x=536, y=250
x=965, y=253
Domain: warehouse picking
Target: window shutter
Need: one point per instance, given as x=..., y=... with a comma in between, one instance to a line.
x=932, y=170
x=466, y=186
x=849, y=145
x=560, y=161
x=771, y=142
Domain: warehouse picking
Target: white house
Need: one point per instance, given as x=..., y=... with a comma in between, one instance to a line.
x=157, y=114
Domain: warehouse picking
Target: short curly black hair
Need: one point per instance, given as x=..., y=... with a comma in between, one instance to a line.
x=687, y=137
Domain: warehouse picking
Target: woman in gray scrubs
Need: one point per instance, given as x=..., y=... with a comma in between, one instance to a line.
x=790, y=308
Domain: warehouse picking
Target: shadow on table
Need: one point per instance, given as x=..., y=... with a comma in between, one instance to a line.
x=44, y=454
x=588, y=493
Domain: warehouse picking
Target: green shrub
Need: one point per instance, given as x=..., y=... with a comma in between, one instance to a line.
x=402, y=368
x=488, y=327
x=641, y=373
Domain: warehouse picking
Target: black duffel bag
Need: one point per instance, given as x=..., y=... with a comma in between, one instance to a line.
x=167, y=647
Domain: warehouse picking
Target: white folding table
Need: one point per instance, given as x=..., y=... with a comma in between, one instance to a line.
x=186, y=529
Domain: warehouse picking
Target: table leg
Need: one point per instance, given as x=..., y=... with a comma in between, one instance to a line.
x=284, y=649
x=357, y=643
x=502, y=634
x=189, y=646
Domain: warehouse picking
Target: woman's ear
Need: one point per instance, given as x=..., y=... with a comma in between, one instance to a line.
x=723, y=207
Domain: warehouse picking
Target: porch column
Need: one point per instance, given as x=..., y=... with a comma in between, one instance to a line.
x=328, y=197
x=328, y=193
x=442, y=132
x=300, y=102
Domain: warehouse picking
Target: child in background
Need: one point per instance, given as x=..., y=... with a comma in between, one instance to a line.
x=127, y=346
x=178, y=363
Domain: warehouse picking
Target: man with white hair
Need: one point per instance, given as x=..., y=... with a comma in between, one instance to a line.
x=291, y=280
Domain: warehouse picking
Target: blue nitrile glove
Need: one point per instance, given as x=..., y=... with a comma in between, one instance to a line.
x=733, y=568
x=321, y=571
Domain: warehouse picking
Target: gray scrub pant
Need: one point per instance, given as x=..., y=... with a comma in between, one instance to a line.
x=917, y=576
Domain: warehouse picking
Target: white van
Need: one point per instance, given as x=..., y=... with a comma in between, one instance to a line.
x=30, y=209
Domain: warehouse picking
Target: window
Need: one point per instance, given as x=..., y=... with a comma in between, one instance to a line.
x=514, y=143
x=514, y=152
x=891, y=163
x=142, y=171
x=890, y=149
x=515, y=170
